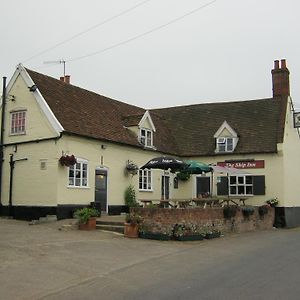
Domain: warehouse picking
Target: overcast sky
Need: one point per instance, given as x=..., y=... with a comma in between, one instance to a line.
x=220, y=52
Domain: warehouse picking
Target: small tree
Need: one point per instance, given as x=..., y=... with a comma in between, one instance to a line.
x=130, y=197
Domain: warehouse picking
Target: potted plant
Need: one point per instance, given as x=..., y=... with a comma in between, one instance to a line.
x=146, y=232
x=229, y=211
x=272, y=202
x=131, y=168
x=211, y=234
x=247, y=211
x=263, y=210
x=131, y=225
x=68, y=160
x=188, y=232
x=184, y=176
x=87, y=218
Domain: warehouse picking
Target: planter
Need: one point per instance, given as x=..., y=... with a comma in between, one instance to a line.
x=131, y=230
x=197, y=237
x=155, y=236
x=90, y=225
x=212, y=235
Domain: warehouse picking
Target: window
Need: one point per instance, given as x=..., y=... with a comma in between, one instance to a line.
x=224, y=144
x=78, y=174
x=17, y=125
x=240, y=185
x=145, y=180
x=146, y=137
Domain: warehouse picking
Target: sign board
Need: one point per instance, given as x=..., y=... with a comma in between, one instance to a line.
x=250, y=164
x=296, y=119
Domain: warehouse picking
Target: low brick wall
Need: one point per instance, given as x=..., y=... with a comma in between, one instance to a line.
x=163, y=220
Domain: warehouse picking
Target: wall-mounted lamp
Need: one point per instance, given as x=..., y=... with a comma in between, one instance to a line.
x=103, y=147
x=32, y=88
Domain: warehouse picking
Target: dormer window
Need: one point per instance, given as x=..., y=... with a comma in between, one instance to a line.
x=226, y=138
x=146, y=137
x=224, y=144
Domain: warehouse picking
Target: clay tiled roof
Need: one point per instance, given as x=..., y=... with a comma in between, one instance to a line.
x=86, y=113
x=258, y=123
x=183, y=131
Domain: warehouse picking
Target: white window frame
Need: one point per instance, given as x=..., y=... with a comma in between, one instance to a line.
x=224, y=141
x=81, y=181
x=145, y=180
x=17, y=129
x=241, y=182
x=146, y=137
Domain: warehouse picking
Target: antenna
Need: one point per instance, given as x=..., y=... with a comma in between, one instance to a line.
x=61, y=61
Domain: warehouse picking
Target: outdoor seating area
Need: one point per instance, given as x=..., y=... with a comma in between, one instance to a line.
x=194, y=202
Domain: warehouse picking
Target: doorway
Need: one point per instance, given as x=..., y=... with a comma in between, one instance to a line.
x=165, y=187
x=203, y=187
x=101, y=188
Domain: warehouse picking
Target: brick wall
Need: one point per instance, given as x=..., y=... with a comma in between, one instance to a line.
x=163, y=220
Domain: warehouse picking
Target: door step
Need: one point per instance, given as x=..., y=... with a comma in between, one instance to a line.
x=114, y=226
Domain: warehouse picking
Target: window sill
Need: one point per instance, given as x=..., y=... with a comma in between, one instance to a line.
x=78, y=187
x=146, y=191
x=16, y=134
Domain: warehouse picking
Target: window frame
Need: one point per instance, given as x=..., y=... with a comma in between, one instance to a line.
x=82, y=163
x=226, y=144
x=238, y=184
x=16, y=129
x=145, y=175
x=146, y=138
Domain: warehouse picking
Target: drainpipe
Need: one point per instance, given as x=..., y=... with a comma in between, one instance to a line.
x=11, y=176
x=2, y=134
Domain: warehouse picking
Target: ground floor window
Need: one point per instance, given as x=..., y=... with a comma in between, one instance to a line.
x=240, y=185
x=78, y=174
x=145, y=180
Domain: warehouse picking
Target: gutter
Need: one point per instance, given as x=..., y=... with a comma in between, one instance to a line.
x=33, y=141
x=2, y=134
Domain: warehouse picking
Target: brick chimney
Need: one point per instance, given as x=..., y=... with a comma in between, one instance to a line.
x=280, y=79
x=65, y=78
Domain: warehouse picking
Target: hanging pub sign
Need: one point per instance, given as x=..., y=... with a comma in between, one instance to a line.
x=296, y=119
x=245, y=164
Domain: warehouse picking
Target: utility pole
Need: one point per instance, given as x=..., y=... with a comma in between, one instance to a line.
x=2, y=134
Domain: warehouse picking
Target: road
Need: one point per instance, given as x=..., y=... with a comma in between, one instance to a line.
x=41, y=262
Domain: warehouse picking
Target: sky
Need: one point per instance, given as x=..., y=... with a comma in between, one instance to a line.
x=156, y=53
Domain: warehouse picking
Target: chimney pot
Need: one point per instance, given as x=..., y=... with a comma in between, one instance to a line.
x=280, y=79
x=62, y=78
x=67, y=78
x=283, y=64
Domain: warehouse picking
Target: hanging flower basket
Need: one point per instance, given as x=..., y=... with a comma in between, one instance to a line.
x=131, y=168
x=68, y=160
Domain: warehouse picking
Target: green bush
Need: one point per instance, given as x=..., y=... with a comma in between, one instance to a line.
x=130, y=197
x=83, y=214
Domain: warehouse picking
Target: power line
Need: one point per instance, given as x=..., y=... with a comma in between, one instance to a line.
x=143, y=34
x=87, y=30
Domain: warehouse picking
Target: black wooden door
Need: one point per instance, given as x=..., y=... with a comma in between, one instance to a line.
x=101, y=188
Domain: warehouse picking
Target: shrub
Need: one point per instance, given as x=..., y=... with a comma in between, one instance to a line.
x=130, y=197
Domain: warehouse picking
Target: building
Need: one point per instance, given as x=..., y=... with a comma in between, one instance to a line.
x=49, y=122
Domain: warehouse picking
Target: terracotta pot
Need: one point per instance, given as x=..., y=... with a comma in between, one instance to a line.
x=90, y=225
x=131, y=230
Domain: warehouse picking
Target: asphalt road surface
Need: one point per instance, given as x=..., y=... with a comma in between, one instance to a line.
x=41, y=262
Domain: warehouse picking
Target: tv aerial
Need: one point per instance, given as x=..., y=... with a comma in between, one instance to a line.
x=61, y=61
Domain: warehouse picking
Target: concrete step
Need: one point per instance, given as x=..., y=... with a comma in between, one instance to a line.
x=117, y=223
x=110, y=227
